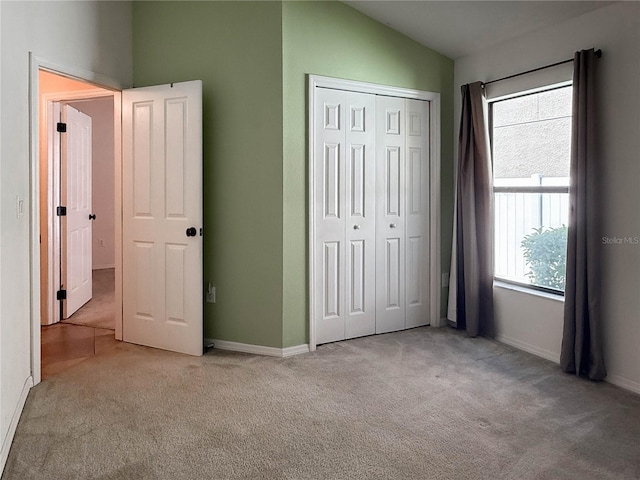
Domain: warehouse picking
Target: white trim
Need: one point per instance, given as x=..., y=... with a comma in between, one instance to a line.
x=616, y=380
x=257, y=349
x=34, y=221
x=311, y=94
x=51, y=103
x=434, y=214
x=117, y=207
x=540, y=352
x=8, y=439
x=296, y=350
x=81, y=95
x=623, y=382
x=528, y=291
x=317, y=81
x=76, y=73
x=52, y=110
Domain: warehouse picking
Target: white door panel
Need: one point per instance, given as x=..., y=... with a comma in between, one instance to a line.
x=390, y=221
x=162, y=193
x=417, y=213
x=360, y=215
x=75, y=156
x=330, y=216
x=344, y=210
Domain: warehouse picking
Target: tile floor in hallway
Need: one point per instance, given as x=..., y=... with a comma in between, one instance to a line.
x=88, y=332
x=64, y=345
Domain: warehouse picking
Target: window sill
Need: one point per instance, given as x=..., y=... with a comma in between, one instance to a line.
x=529, y=291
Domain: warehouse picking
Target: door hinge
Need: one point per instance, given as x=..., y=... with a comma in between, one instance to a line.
x=61, y=127
x=61, y=211
x=61, y=295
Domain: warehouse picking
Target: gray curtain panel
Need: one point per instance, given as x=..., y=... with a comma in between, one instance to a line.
x=474, y=217
x=582, y=336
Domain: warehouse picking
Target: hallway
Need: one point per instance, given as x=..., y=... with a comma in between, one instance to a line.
x=89, y=331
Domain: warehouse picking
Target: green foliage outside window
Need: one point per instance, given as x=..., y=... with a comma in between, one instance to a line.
x=545, y=251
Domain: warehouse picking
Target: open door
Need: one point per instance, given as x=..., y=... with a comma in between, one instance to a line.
x=75, y=163
x=162, y=217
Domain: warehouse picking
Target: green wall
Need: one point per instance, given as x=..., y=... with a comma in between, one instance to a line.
x=332, y=39
x=253, y=58
x=235, y=48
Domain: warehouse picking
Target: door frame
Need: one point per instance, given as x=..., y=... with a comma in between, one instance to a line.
x=35, y=64
x=318, y=81
x=48, y=106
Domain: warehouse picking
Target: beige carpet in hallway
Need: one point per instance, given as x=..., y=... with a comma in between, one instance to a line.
x=419, y=404
x=99, y=312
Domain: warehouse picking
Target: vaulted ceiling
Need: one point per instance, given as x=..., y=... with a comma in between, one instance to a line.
x=459, y=28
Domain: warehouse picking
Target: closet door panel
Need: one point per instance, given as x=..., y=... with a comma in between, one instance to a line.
x=417, y=213
x=360, y=215
x=390, y=216
x=329, y=215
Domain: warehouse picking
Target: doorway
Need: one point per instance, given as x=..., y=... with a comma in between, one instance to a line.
x=71, y=333
x=157, y=134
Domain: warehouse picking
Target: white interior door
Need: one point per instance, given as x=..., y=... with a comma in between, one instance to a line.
x=390, y=217
x=162, y=217
x=75, y=191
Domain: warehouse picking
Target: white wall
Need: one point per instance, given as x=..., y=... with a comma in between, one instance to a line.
x=88, y=36
x=3, y=433
x=101, y=112
x=522, y=318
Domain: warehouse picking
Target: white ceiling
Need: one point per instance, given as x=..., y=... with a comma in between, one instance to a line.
x=459, y=28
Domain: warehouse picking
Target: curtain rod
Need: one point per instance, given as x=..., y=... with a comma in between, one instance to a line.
x=597, y=52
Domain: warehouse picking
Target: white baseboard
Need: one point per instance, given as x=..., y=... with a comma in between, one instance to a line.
x=540, y=352
x=297, y=350
x=623, y=382
x=8, y=439
x=438, y=323
x=616, y=380
x=443, y=322
x=257, y=349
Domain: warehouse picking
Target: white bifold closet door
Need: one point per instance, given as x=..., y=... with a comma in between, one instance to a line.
x=344, y=210
x=402, y=220
x=371, y=214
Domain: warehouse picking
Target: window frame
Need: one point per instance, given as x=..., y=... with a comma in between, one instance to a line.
x=522, y=189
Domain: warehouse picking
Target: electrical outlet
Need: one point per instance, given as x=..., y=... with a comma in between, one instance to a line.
x=211, y=294
x=445, y=279
x=101, y=242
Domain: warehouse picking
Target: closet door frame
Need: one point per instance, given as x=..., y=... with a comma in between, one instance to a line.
x=317, y=81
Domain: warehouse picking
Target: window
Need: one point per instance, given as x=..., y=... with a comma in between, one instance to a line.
x=531, y=143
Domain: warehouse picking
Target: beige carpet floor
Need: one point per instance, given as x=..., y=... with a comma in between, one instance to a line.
x=420, y=404
x=99, y=312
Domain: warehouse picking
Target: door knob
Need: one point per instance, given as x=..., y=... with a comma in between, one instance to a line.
x=393, y=225
x=92, y=216
x=356, y=227
x=191, y=232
